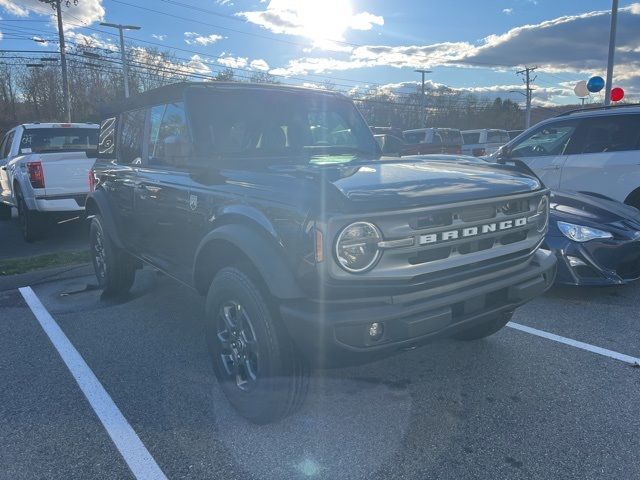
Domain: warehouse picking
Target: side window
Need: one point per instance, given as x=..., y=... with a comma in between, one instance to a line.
x=547, y=140
x=168, y=137
x=613, y=133
x=131, y=132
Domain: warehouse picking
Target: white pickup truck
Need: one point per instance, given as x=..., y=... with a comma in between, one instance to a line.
x=44, y=172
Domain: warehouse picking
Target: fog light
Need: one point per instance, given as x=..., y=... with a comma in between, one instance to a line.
x=375, y=331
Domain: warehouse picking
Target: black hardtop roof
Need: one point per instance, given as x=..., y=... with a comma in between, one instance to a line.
x=175, y=91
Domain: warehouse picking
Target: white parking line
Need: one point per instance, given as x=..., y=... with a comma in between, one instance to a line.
x=575, y=343
x=140, y=461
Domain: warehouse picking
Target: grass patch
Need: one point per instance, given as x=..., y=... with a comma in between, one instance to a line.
x=13, y=266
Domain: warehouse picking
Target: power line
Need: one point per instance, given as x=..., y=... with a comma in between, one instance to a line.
x=528, y=80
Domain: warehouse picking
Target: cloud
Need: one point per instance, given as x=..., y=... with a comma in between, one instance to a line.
x=14, y=9
x=575, y=44
x=193, y=38
x=228, y=3
x=259, y=64
x=233, y=62
x=86, y=12
x=93, y=41
x=320, y=21
x=195, y=65
x=507, y=11
x=162, y=38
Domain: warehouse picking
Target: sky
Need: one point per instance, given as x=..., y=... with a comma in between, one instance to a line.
x=358, y=45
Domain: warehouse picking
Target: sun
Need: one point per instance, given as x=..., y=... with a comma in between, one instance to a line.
x=322, y=21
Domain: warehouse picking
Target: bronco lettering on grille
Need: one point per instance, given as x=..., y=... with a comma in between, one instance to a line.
x=467, y=232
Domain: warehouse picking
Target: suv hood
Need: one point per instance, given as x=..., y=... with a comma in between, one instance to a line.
x=407, y=184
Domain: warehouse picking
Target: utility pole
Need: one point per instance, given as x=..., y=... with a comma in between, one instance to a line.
x=423, y=115
x=57, y=5
x=612, y=50
x=528, y=80
x=125, y=69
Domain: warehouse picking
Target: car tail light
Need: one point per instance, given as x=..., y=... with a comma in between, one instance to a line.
x=92, y=181
x=478, y=152
x=36, y=174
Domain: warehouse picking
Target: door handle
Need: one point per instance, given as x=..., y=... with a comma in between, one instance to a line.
x=551, y=167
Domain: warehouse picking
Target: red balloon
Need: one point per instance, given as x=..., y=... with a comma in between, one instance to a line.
x=617, y=94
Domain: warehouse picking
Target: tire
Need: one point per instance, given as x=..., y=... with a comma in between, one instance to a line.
x=5, y=212
x=114, y=269
x=32, y=223
x=261, y=373
x=485, y=329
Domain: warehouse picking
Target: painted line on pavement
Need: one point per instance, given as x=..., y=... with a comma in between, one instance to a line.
x=138, y=458
x=575, y=343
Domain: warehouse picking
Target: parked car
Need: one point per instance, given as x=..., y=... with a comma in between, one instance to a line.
x=483, y=141
x=514, y=133
x=390, y=145
x=44, y=171
x=308, y=253
x=597, y=241
x=593, y=151
x=432, y=140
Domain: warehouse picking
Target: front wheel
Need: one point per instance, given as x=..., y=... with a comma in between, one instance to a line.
x=485, y=329
x=255, y=361
x=114, y=269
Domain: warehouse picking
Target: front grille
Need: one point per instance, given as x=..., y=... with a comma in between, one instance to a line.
x=448, y=238
x=477, y=226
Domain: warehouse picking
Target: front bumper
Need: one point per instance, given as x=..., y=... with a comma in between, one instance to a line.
x=596, y=262
x=335, y=333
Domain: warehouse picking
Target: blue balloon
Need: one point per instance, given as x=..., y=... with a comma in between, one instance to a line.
x=595, y=84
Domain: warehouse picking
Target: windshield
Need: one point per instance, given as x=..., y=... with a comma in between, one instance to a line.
x=308, y=128
x=43, y=140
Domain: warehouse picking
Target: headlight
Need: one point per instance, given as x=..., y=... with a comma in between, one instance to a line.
x=580, y=233
x=542, y=212
x=357, y=247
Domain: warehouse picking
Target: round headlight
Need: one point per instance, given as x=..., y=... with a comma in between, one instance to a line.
x=357, y=247
x=543, y=214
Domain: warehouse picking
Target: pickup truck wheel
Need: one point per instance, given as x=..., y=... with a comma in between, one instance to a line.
x=5, y=211
x=114, y=269
x=31, y=223
x=255, y=361
x=485, y=329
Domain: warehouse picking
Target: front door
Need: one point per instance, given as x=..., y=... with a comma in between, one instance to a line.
x=544, y=150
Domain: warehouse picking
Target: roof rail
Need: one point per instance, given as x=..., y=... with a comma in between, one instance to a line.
x=590, y=109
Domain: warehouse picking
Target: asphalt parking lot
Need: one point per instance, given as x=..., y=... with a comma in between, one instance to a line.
x=66, y=236
x=516, y=405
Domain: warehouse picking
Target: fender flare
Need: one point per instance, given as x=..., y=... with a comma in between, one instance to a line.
x=97, y=203
x=261, y=249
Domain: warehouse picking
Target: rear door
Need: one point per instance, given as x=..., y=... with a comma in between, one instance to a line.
x=167, y=207
x=605, y=159
x=544, y=149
